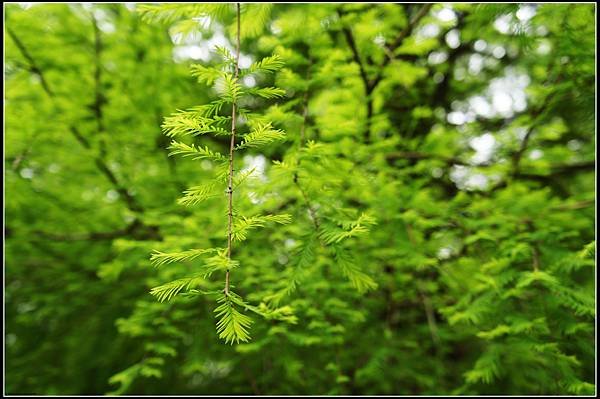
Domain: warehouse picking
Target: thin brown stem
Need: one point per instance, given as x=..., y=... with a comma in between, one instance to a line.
x=536, y=257
x=429, y=313
x=311, y=209
x=305, y=105
x=231, y=150
x=304, y=119
x=355, y=54
x=573, y=206
x=535, y=249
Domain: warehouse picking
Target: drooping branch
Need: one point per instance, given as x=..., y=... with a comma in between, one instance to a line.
x=231, y=150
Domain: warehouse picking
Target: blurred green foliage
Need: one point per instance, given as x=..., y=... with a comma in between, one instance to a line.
x=437, y=164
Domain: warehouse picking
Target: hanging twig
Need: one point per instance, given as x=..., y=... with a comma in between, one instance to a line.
x=231, y=149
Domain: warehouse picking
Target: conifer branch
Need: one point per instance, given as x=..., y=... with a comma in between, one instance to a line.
x=160, y=258
x=231, y=150
x=232, y=325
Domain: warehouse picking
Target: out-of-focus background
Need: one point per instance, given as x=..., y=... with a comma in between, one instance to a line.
x=465, y=132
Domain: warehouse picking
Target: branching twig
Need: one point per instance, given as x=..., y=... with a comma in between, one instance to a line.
x=399, y=39
x=536, y=119
x=408, y=29
x=369, y=85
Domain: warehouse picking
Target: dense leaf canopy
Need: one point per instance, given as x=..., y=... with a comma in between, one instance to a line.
x=407, y=205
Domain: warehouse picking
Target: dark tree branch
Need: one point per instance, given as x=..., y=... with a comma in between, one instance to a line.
x=99, y=99
x=440, y=94
x=100, y=162
x=370, y=84
x=367, y=84
x=33, y=66
x=398, y=41
x=408, y=29
x=415, y=155
x=355, y=54
x=562, y=169
x=136, y=229
x=536, y=120
x=576, y=205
